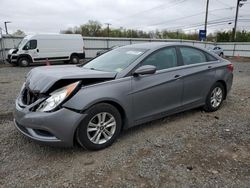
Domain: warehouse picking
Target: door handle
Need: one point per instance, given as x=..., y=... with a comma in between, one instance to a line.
x=177, y=76
x=37, y=50
x=209, y=67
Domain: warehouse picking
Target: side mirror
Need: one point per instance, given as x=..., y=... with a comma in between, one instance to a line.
x=145, y=69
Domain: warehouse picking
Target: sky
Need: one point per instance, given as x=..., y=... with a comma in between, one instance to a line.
x=52, y=16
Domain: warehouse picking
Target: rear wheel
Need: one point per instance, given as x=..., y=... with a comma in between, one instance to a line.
x=24, y=62
x=74, y=59
x=100, y=127
x=215, y=97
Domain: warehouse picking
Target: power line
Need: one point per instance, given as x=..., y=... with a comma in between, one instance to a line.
x=161, y=6
x=214, y=25
x=221, y=20
x=185, y=17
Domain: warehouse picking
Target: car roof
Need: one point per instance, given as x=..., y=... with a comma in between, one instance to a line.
x=152, y=45
x=157, y=45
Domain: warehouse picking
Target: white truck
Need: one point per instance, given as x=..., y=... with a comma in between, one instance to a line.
x=51, y=47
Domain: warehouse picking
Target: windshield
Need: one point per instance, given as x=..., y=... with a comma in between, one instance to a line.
x=23, y=42
x=115, y=60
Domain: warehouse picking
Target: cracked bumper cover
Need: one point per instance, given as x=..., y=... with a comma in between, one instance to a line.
x=54, y=128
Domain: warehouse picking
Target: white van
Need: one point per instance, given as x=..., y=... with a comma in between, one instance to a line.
x=51, y=47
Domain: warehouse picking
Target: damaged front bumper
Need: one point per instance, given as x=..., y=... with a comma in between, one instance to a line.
x=54, y=128
x=12, y=59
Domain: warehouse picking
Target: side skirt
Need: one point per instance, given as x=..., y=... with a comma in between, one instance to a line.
x=167, y=113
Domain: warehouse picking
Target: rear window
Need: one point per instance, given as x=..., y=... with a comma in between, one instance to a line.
x=192, y=56
x=210, y=57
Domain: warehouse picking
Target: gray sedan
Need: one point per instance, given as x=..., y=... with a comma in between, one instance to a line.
x=91, y=104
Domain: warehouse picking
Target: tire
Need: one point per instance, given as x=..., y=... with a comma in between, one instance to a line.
x=91, y=134
x=215, y=97
x=74, y=59
x=24, y=62
x=221, y=55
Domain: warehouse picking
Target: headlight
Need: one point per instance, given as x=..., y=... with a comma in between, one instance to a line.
x=57, y=97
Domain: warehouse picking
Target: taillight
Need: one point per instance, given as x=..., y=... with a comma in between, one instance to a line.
x=230, y=67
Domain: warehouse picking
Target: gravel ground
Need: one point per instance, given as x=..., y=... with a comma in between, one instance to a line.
x=190, y=149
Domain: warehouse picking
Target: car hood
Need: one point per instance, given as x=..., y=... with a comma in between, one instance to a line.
x=41, y=79
x=12, y=50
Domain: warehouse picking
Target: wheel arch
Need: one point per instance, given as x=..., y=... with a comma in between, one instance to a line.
x=74, y=54
x=26, y=56
x=118, y=106
x=113, y=103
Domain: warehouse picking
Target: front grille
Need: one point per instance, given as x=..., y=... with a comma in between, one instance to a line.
x=28, y=97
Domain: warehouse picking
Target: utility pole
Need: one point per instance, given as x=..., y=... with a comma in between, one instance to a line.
x=108, y=24
x=1, y=33
x=2, y=47
x=6, y=29
x=236, y=20
x=205, y=28
x=239, y=4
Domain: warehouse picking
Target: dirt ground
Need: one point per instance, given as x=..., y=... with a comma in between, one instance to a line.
x=190, y=149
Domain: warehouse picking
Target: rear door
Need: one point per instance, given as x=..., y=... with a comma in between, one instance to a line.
x=159, y=92
x=198, y=74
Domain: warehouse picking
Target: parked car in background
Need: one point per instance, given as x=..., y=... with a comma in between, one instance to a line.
x=104, y=51
x=52, y=47
x=217, y=50
x=92, y=103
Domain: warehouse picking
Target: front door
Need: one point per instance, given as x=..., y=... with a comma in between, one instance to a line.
x=160, y=92
x=31, y=48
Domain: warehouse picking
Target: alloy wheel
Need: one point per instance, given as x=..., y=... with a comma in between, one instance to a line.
x=216, y=97
x=101, y=128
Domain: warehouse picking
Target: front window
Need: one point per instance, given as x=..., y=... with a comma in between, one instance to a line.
x=22, y=42
x=162, y=59
x=115, y=60
x=32, y=44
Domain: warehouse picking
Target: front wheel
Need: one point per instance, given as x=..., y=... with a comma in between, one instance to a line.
x=100, y=127
x=23, y=62
x=74, y=59
x=215, y=97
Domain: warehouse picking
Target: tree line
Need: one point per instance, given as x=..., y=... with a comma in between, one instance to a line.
x=96, y=29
